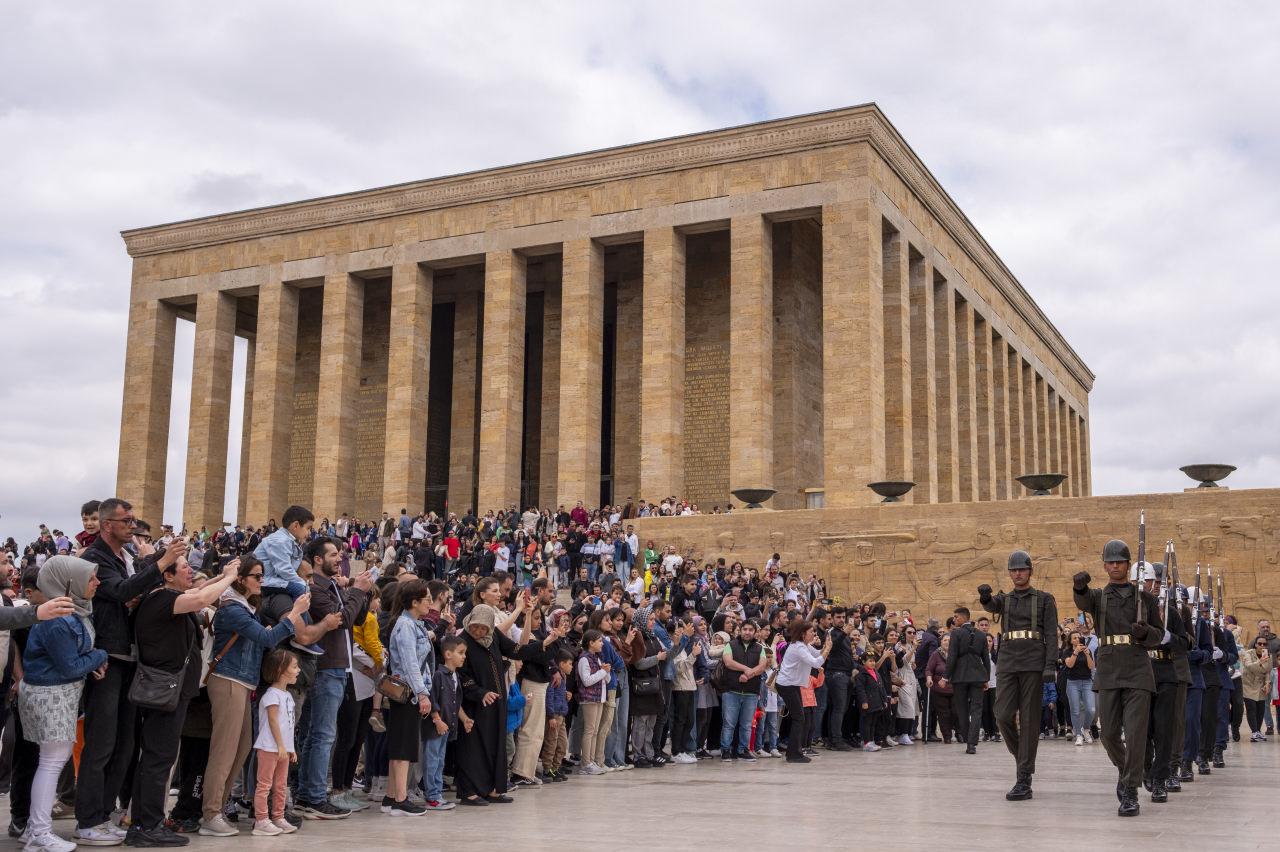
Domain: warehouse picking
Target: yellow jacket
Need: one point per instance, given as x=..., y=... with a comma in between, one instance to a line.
x=366, y=636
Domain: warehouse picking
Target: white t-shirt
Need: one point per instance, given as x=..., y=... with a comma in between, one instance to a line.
x=284, y=700
x=503, y=558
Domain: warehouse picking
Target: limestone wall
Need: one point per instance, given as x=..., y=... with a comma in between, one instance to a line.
x=931, y=557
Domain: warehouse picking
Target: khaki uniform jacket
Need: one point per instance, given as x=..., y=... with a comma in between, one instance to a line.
x=1016, y=611
x=1115, y=609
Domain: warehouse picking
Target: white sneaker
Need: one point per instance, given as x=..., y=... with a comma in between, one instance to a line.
x=1079, y=740
x=266, y=828
x=284, y=825
x=775, y=753
x=905, y=739
x=217, y=827
x=684, y=757
x=100, y=835
x=590, y=769
x=1088, y=740
x=871, y=747
x=49, y=842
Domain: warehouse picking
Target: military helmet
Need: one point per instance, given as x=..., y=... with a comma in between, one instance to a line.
x=1116, y=551
x=1142, y=571
x=1019, y=559
x=1160, y=570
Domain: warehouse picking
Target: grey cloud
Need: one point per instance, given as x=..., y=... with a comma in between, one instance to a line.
x=1120, y=158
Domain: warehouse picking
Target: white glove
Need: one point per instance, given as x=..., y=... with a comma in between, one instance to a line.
x=1167, y=638
x=1217, y=654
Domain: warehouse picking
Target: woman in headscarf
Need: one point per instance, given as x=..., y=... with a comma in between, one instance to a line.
x=708, y=699
x=58, y=657
x=481, y=775
x=646, y=690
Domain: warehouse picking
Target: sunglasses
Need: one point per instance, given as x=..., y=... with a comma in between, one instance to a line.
x=253, y=576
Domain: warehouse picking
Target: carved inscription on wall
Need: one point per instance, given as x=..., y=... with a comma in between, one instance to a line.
x=706, y=371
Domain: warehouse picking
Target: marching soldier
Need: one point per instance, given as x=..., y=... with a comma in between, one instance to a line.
x=1230, y=654
x=1028, y=646
x=1164, y=704
x=1128, y=624
x=1198, y=655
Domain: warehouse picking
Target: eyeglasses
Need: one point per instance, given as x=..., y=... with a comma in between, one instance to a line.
x=253, y=577
x=128, y=522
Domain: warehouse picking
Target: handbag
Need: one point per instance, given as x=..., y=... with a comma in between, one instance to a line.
x=645, y=685
x=393, y=687
x=153, y=688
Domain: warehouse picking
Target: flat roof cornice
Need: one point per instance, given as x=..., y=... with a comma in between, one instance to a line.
x=863, y=123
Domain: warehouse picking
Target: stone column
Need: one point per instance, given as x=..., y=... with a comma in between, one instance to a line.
x=662, y=374
x=581, y=372
x=898, y=432
x=1031, y=420
x=1017, y=425
x=204, y=503
x=852, y=352
x=1053, y=431
x=502, y=379
x=342, y=335
x=1086, y=454
x=462, y=425
x=275, y=351
x=1073, y=456
x=944, y=312
x=750, y=353
x=1043, y=428
x=966, y=401
x=549, y=444
x=923, y=374
x=246, y=431
x=983, y=382
x=404, y=468
x=144, y=413
x=1060, y=434
x=1000, y=411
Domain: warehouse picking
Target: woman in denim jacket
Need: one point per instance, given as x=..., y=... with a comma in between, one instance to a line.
x=410, y=657
x=239, y=643
x=58, y=657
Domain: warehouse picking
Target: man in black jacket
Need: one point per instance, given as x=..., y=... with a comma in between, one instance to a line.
x=839, y=670
x=929, y=642
x=108, y=714
x=968, y=671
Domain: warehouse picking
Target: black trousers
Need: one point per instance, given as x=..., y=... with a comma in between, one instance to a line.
x=1127, y=712
x=795, y=714
x=352, y=716
x=108, y=743
x=941, y=706
x=1209, y=720
x=161, y=734
x=869, y=721
x=1254, y=710
x=1179, y=722
x=662, y=726
x=1160, y=731
x=1237, y=711
x=193, y=756
x=837, y=703
x=989, y=712
x=966, y=700
x=1018, y=697
x=686, y=706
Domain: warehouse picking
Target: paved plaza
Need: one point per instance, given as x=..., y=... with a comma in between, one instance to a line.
x=912, y=797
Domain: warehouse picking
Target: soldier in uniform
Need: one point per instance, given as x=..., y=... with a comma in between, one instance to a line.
x=1127, y=621
x=1028, y=648
x=1226, y=642
x=1164, y=704
x=1201, y=647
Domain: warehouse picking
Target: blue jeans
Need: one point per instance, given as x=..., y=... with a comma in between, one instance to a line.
x=767, y=734
x=1080, y=697
x=1191, y=741
x=736, y=710
x=615, y=747
x=323, y=700
x=433, y=767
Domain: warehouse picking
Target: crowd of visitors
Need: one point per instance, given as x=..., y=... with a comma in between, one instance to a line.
x=310, y=670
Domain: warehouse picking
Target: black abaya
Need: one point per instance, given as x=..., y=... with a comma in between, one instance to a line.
x=482, y=753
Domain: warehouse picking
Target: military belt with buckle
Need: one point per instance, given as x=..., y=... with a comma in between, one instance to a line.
x=1022, y=634
x=1160, y=655
x=1121, y=639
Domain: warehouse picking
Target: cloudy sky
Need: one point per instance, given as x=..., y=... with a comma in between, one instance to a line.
x=1121, y=158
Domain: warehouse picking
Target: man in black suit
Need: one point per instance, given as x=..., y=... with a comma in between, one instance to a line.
x=968, y=671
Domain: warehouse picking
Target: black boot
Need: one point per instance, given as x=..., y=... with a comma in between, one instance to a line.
x=1121, y=790
x=1185, y=773
x=1218, y=762
x=1020, y=791
x=1173, y=785
x=1129, y=802
x=1146, y=782
x=1159, y=793
x=1202, y=766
